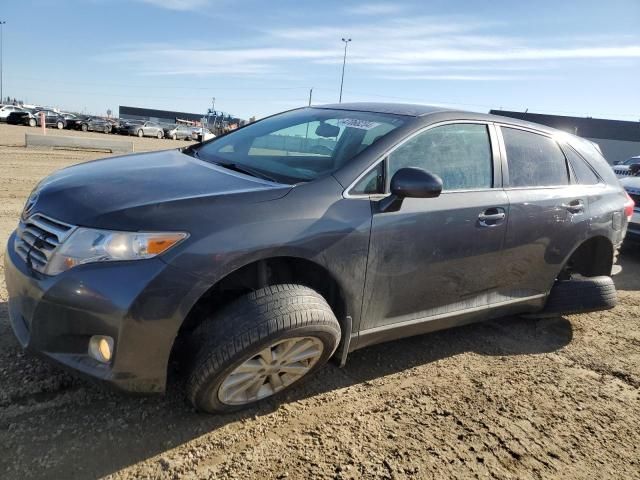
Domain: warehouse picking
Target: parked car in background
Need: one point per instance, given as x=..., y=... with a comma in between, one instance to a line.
x=33, y=118
x=178, y=132
x=73, y=120
x=23, y=117
x=201, y=134
x=51, y=118
x=5, y=110
x=115, y=124
x=251, y=262
x=621, y=169
x=125, y=125
x=95, y=124
x=146, y=129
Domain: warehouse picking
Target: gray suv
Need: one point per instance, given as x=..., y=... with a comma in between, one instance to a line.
x=254, y=258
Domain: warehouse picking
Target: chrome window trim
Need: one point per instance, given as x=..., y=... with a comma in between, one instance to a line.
x=346, y=193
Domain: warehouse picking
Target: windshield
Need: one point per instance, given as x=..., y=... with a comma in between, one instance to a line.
x=300, y=145
x=632, y=161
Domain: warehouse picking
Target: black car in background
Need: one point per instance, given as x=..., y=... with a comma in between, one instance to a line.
x=22, y=117
x=33, y=118
x=73, y=120
x=95, y=124
x=124, y=126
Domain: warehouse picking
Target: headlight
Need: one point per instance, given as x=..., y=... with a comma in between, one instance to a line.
x=86, y=245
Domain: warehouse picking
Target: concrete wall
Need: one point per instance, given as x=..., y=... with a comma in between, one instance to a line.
x=617, y=150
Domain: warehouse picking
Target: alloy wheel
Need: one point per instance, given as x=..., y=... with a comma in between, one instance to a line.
x=271, y=370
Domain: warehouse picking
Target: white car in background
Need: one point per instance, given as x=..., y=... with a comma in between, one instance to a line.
x=5, y=110
x=621, y=169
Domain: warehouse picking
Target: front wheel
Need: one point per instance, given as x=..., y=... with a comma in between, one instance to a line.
x=260, y=345
x=84, y=127
x=60, y=125
x=159, y=135
x=33, y=122
x=174, y=137
x=140, y=133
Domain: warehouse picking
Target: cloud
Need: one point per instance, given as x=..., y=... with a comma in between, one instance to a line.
x=181, y=5
x=374, y=9
x=457, y=48
x=449, y=77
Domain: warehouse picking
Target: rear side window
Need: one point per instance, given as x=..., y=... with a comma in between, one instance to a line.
x=584, y=174
x=534, y=160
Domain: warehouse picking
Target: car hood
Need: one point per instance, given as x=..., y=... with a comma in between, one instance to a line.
x=102, y=192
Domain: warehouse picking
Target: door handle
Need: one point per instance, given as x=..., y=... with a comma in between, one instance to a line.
x=575, y=206
x=491, y=217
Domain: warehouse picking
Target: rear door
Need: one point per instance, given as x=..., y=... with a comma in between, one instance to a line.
x=548, y=211
x=439, y=256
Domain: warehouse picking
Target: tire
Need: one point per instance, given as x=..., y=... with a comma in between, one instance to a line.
x=278, y=317
x=84, y=127
x=160, y=135
x=579, y=295
x=174, y=137
x=33, y=122
x=60, y=125
x=140, y=133
x=107, y=129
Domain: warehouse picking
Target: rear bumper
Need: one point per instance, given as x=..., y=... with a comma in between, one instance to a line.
x=139, y=304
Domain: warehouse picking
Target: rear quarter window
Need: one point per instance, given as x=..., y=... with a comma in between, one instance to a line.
x=583, y=172
x=593, y=156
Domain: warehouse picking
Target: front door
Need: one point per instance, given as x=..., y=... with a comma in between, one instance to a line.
x=439, y=256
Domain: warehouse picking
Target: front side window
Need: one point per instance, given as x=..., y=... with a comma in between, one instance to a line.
x=459, y=153
x=534, y=160
x=301, y=145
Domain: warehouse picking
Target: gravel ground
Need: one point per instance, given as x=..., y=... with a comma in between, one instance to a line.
x=510, y=398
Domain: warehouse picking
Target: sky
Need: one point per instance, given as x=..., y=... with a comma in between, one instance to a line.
x=259, y=57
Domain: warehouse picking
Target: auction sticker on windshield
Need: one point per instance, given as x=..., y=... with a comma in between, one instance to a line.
x=355, y=123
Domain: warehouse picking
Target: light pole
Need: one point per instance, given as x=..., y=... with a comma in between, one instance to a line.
x=1, y=46
x=344, y=62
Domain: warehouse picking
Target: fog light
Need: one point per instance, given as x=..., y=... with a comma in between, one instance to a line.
x=101, y=348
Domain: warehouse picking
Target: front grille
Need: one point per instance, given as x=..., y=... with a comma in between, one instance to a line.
x=622, y=172
x=38, y=237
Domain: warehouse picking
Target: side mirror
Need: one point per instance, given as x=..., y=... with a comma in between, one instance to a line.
x=412, y=183
x=617, y=162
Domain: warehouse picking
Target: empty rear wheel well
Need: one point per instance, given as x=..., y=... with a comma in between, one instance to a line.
x=263, y=273
x=592, y=258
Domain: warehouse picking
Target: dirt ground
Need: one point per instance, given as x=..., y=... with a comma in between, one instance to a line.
x=510, y=398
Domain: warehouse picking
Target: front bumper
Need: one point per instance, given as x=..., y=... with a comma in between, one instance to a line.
x=140, y=304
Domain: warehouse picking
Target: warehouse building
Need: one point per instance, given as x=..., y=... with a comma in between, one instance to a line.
x=161, y=116
x=618, y=139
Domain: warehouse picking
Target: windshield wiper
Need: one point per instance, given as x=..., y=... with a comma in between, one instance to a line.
x=254, y=172
x=245, y=169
